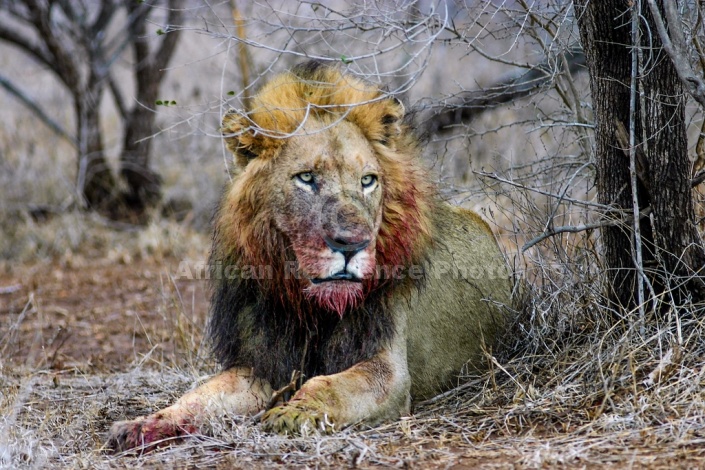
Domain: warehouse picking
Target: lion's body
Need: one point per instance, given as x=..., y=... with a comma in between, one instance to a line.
x=455, y=314
x=377, y=292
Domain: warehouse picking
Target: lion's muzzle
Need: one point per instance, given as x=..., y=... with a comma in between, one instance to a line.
x=351, y=250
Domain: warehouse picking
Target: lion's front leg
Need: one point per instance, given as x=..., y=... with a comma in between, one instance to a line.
x=371, y=391
x=234, y=391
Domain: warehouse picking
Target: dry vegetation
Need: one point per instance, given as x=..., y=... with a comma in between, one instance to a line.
x=96, y=325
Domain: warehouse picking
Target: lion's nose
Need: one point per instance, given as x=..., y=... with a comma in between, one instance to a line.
x=347, y=247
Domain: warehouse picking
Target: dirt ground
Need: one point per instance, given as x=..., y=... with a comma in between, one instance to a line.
x=87, y=342
x=95, y=316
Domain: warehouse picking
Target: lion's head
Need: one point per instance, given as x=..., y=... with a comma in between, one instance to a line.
x=328, y=191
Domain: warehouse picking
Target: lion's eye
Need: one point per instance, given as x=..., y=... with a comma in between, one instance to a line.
x=368, y=180
x=305, y=177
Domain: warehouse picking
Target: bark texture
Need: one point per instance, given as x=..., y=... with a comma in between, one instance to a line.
x=672, y=249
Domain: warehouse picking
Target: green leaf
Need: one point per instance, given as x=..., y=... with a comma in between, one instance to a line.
x=160, y=32
x=159, y=102
x=345, y=60
x=172, y=102
x=231, y=93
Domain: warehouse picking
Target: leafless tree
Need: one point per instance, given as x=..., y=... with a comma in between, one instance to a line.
x=80, y=42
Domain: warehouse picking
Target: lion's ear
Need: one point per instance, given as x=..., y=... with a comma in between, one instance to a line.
x=239, y=137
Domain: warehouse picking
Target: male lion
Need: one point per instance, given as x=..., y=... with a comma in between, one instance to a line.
x=376, y=291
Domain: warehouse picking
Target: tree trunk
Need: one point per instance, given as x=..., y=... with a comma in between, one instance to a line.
x=671, y=246
x=144, y=185
x=95, y=181
x=669, y=170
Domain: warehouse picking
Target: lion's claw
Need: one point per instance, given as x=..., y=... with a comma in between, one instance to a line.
x=124, y=435
x=146, y=433
x=296, y=420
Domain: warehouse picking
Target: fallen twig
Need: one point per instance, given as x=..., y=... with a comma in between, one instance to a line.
x=278, y=394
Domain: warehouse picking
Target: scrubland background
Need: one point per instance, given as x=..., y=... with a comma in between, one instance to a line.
x=96, y=326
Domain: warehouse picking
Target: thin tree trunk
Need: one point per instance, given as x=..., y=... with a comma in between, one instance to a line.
x=144, y=185
x=95, y=181
x=607, y=55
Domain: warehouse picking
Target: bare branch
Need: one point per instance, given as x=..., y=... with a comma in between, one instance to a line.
x=26, y=44
x=163, y=54
x=244, y=58
x=138, y=33
x=278, y=395
x=569, y=229
x=63, y=63
x=675, y=46
x=494, y=176
x=38, y=111
x=149, y=64
x=507, y=90
x=697, y=179
x=636, y=70
x=117, y=96
x=107, y=12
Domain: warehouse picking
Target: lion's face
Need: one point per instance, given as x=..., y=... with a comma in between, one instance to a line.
x=328, y=204
x=328, y=189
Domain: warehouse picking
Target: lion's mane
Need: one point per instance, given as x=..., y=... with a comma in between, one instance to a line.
x=267, y=323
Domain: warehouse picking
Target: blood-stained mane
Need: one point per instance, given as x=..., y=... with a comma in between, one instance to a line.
x=246, y=234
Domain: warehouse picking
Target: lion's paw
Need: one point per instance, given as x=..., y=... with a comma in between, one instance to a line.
x=145, y=433
x=296, y=419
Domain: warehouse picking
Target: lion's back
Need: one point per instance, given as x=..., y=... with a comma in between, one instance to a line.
x=456, y=313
